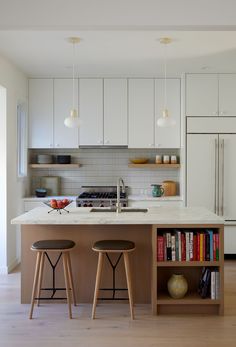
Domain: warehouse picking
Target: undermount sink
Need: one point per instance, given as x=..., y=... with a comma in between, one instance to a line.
x=123, y=210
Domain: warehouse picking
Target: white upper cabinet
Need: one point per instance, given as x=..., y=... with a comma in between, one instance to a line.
x=91, y=111
x=115, y=112
x=167, y=137
x=227, y=95
x=141, y=113
x=63, y=103
x=202, y=95
x=41, y=113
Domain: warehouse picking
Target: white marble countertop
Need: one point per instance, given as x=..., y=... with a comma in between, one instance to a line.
x=152, y=198
x=35, y=198
x=155, y=215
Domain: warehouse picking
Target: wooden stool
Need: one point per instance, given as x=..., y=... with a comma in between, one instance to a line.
x=113, y=246
x=42, y=248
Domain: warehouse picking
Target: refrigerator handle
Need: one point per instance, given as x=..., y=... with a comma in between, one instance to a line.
x=222, y=175
x=216, y=169
x=215, y=204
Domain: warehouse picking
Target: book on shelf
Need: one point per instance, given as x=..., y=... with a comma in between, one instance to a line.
x=184, y=245
x=209, y=284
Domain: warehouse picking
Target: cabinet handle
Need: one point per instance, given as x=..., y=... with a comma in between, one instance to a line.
x=222, y=174
x=222, y=113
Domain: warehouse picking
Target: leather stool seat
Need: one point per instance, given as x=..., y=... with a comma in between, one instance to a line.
x=52, y=244
x=113, y=245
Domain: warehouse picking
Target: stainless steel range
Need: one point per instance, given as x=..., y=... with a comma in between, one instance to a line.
x=101, y=196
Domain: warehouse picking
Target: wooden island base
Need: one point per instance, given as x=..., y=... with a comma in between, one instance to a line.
x=149, y=277
x=84, y=260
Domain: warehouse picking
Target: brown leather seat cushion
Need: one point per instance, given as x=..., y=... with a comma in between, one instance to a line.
x=53, y=244
x=113, y=245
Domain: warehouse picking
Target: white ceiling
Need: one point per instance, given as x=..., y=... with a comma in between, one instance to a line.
x=119, y=52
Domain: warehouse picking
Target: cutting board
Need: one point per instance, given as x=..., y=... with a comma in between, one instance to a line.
x=51, y=183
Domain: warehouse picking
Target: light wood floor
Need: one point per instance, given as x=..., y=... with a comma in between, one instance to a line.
x=51, y=327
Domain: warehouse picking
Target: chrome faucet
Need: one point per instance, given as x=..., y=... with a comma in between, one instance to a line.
x=120, y=182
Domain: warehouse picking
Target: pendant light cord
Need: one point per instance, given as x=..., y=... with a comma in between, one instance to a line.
x=73, y=79
x=165, y=89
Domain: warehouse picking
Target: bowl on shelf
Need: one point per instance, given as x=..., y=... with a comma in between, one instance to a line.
x=44, y=159
x=63, y=159
x=139, y=160
x=41, y=192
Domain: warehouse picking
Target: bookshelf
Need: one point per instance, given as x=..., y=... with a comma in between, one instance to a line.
x=162, y=302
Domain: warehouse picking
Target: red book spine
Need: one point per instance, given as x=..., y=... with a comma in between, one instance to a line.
x=198, y=246
x=164, y=247
x=195, y=247
x=204, y=247
x=217, y=246
x=160, y=248
x=183, y=247
x=214, y=246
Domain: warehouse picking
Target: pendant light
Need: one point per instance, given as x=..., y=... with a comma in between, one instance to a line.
x=165, y=120
x=73, y=121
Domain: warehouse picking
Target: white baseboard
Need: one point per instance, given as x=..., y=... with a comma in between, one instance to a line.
x=4, y=270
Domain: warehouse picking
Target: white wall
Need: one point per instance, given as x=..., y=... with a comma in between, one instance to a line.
x=15, y=83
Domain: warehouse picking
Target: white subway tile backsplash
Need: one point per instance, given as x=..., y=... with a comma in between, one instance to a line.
x=103, y=167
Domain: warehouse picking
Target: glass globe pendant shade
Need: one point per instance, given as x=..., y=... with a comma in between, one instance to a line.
x=73, y=120
x=165, y=121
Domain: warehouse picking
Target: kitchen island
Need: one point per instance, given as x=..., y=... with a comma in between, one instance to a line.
x=149, y=276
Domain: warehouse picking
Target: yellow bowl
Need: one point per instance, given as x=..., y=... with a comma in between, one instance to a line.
x=139, y=160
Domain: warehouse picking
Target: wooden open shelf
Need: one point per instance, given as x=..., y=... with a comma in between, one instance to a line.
x=192, y=298
x=187, y=263
x=162, y=303
x=54, y=166
x=155, y=166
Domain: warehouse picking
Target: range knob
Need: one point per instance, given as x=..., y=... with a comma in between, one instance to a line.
x=85, y=204
x=101, y=204
x=90, y=204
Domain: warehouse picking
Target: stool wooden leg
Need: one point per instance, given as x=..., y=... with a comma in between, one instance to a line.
x=71, y=278
x=129, y=285
x=97, y=284
x=66, y=275
x=36, y=275
x=40, y=275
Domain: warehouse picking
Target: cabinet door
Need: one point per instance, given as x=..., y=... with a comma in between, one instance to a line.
x=202, y=95
x=202, y=174
x=91, y=111
x=167, y=137
x=230, y=239
x=63, y=102
x=115, y=112
x=227, y=176
x=41, y=113
x=141, y=113
x=227, y=95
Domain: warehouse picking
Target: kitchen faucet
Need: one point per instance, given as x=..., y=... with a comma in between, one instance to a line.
x=120, y=182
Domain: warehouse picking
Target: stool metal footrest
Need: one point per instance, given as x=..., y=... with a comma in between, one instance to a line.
x=54, y=289
x=113, y=289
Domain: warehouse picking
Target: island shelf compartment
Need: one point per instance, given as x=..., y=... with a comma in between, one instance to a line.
x=162, y=303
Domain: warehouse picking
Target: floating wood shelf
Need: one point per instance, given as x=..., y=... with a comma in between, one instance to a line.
x=54, y=166
x=192, y=298
x=155, y=166
x=187, y=263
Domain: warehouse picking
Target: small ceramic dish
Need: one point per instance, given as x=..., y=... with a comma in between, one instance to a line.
x=139, y=160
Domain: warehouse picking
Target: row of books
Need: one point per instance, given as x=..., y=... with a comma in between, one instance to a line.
x=209, y=285
x=179, y=245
